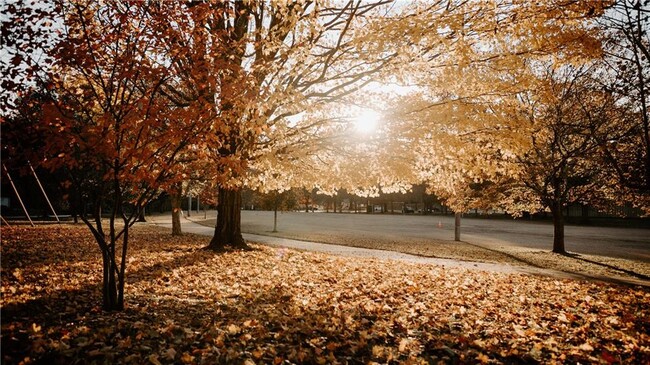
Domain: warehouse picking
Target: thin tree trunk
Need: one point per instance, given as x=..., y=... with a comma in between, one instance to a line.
x=109, y=284
x=112, y=279
x=122, y=274
x=227, y=231
x=141, y=217
x=176, y=200
x=558, y=228
x=457, y=226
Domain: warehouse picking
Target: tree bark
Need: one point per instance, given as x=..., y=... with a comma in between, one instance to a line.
x=558, y=228
x=176, y=200
x=307, y=202
x=109, y=285
x=121, y=277
x=141, y=217
x=457, y=226
x=227, y=231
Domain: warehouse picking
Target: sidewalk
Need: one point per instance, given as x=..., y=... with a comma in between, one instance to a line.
x=189, y=226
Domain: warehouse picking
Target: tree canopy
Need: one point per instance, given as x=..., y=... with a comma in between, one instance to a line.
x=517, y=104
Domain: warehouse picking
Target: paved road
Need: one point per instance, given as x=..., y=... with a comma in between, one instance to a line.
x=340, y=250
x=629, y=243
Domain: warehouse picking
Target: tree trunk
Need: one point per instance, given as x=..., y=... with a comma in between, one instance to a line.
x=109, y=285
x=176, y=200
x=457, y=226
x=121, y=277
x=141, y=217
x=558, y=228
x=227, y=232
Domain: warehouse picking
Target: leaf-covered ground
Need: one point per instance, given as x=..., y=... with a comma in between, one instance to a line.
x=580, y=264
x=275, y=306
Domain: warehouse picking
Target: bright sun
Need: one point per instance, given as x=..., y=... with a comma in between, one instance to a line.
x=367, y=121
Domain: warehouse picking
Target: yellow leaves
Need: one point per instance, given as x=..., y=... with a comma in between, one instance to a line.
x=403, y=343
x=36, y=328
x=170, y=353
x=125, y=343
x=186, y=358
x=519, y=331
x=153, y=359
x=257, y=353
x=586, y=347
x=234, y=329
x=18, y=274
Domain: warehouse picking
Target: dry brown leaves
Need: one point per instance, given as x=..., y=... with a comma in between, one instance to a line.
x=581, y=264
x=274, y=306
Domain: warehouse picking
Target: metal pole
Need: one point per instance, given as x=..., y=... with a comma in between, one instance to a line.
x=18, y=195
x=457, y=226
x=275, y=217
x=43, y=191
x=4, y=221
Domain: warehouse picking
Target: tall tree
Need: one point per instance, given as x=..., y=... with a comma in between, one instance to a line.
x=560, y=167
x=461, y=121
x=276, y=59
x=107, y=124
x=626, y=73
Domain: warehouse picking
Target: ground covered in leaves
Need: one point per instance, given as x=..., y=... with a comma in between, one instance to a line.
x=580, y=264
x=278, y=306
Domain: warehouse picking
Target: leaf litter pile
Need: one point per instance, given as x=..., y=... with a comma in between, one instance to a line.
x=279, y=306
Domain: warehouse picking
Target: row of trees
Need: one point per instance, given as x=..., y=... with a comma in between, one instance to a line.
x=555, y=133
x=134, y=98
x=302, y=199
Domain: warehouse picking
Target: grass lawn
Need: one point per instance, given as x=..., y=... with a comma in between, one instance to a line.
x=278, y=306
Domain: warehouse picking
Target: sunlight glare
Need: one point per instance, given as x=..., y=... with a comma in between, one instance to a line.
x=367, y=121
